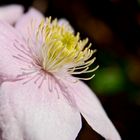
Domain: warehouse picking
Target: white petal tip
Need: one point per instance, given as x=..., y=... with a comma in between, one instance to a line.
x=11, y=13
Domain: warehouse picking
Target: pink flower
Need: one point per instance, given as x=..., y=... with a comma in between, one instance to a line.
x=39, y=98
x=11, y=13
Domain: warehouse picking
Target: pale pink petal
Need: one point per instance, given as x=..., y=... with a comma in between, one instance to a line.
x=64, y=22
x=28, y=22
x=93, y=112
x=36, y=113
x=11, y=13
x=14, y=53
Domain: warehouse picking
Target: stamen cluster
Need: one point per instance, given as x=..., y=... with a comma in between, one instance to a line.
x=61, y=49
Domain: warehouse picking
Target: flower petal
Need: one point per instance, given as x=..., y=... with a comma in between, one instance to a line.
x=93, y=112
x=36, y=114
x=13, y=53
x=64, y=22
x=30, y=19
x=11, y=13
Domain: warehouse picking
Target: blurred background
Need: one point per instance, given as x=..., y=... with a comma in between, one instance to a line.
x=113, y=27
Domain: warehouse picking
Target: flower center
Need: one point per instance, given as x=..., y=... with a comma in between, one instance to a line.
x=62, y=50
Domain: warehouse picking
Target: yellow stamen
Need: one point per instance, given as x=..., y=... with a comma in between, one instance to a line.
x=62, y=49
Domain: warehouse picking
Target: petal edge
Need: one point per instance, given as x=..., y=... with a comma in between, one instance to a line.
x=93, y=112
x=11, y=13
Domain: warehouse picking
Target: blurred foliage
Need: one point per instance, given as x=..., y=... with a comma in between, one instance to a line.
x=108, y=80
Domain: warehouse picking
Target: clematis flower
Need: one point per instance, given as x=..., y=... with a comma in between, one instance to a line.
x=11, y=13
x=40, y=98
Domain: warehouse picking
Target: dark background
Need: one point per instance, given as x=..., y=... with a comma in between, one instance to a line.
x=113, y=27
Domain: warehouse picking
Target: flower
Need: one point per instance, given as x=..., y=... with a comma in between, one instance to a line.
x=11, y=13
x=39, y=97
